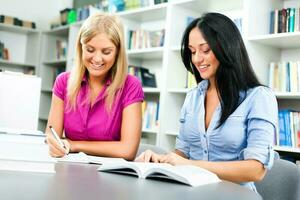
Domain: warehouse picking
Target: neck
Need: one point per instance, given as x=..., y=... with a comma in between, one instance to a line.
x=212, y=85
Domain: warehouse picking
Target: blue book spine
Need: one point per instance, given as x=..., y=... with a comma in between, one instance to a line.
x=281, y=128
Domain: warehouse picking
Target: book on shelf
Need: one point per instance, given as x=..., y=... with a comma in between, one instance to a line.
x=289, y=128
x=284, y=76
x=61, y=49
x=141, y=39
x=187, y=174
x=147, y=78
x=150, y=111
x=284, y=20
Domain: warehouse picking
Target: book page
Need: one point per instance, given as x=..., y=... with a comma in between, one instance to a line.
x=188, y=174
x=74, y=157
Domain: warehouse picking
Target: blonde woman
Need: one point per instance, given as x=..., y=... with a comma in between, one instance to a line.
x=97, y=105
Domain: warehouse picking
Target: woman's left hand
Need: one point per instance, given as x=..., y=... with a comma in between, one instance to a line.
x=174, y=159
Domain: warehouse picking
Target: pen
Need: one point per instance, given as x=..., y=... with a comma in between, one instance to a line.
x=57, y=138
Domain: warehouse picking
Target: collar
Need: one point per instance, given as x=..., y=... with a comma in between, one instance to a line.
x=202, y=86
x=84, y=80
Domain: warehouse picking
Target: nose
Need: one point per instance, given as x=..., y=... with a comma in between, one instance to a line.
x=197, y=59
x=97, y=57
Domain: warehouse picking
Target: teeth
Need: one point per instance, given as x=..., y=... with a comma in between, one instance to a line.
x=203, y=66
x=97, y=66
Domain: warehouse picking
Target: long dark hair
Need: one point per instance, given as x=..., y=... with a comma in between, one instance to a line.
x=235, y=73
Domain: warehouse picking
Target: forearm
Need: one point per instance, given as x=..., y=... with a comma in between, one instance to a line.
x=234, y=171
x=118, y=149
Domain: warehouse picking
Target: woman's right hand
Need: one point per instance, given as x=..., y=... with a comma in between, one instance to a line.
x=55, y=149
x=148, y=156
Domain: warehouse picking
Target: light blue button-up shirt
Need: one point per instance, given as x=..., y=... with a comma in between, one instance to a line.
x=248, y=133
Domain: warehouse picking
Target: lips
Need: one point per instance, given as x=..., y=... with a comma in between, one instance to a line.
x=202, y=68
x=96, y=66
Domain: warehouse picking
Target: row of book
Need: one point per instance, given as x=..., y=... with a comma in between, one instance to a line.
x=4, y=53
x=150, y=111
x=71, y=15
x=61, y=49
x=147, y=79
x=16, y=21
x=284, y=76
x=289, y=129
x=132, y=4
x=285, y=20
x=140, y=39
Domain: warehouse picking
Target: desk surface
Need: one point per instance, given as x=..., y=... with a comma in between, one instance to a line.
x=82, y=181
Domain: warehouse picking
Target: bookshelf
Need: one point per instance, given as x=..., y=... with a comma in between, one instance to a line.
x=165, y=61
x=24, y=54
x=265, y=48
x=53, y=61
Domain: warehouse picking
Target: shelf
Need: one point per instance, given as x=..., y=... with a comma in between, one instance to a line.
x=47, y=90
x=279, y=40
x=149, y=53
x=151, y=90
x=173, y=133
x=55, y=62
x=176, y=48
x=144, y=14
x=16, y=64
x=180, y=90
x=287, y=95
x=152, y=131
x=17, y=29
x=59, y=31
x=287, y=149
x=43, y=118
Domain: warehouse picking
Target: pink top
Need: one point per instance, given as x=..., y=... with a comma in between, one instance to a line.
x=86, y=123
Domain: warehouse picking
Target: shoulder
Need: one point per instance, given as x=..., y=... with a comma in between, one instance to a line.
x=262, y=103
x=261, y=93
x=132, y=81
x=63, y=77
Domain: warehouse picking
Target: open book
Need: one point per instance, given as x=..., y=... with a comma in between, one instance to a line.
x=187, y=174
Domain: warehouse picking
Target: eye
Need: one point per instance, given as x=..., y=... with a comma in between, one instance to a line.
x=90, y=50
x=193, y=52
x=106, y=52
x=206, y=51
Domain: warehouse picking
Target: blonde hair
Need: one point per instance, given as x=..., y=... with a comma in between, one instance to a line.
x=113, y=28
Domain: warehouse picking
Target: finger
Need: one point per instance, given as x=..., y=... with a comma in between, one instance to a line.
x=140, y=158
x=55, y=148
x=148, y=155
x=55, y=152
x=53, y=142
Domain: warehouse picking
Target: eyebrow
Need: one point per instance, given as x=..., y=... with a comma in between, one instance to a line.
x=105, y=48
x=199, y=44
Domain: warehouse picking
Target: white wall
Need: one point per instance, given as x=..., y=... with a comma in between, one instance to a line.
x=42, y=12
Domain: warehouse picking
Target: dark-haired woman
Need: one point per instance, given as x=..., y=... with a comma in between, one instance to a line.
x=229, y=120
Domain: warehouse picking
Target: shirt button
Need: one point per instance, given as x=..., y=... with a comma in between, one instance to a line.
x=205, y=151
x=204, y=135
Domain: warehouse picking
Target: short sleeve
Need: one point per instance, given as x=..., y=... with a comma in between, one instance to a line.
x=60, y=85
x=181, y=141
x=133, y=91
x=262, y=124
